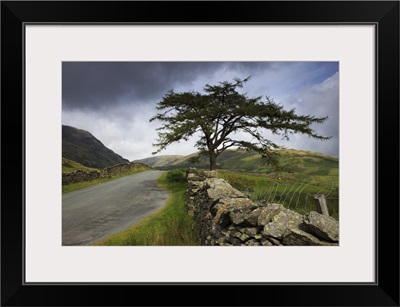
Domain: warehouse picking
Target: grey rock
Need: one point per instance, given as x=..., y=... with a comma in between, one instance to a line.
x=219, y=188
x=237, y=217
x=211, y=174
x=234, y=241
x=295, y=236
x=250, y=231
x=322, y=226
x=274, y=241
x=268, y=212
x=265, y=242
x=252, y=242
x=281, y=222
x=252, y=218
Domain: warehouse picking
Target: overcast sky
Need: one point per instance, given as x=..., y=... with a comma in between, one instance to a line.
x=115, y=100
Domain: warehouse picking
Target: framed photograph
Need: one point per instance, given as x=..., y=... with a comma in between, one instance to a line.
x=65, y=66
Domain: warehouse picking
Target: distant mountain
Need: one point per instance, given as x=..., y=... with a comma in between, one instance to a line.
x=291, y=161
x=162, y=161
x=81, y=146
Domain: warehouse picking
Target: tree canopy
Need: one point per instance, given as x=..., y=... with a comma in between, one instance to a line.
x=218, y=114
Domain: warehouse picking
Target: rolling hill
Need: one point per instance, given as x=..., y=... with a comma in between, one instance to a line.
x=82, y=147
x=293, y=163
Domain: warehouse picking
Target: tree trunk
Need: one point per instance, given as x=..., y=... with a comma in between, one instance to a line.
x=213, y=160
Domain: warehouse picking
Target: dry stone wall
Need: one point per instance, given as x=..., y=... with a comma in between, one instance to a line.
x=83, y=175
x=79, y=176
x=224, y=216
x=120, y=168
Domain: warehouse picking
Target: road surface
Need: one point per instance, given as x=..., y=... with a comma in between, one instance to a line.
x=96, y=212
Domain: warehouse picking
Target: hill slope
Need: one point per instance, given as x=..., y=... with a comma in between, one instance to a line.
x=70, y=165
x=296, y=163
x=162, y=161
x=81, y=146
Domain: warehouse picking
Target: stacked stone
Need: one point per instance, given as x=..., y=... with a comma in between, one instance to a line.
x=195, y=182
x=120, y=168
x=79, y=176
x=82, y=175
x=224, y=216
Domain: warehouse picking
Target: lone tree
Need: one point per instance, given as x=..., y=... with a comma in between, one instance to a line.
x=220, y=113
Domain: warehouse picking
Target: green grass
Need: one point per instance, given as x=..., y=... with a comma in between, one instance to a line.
x=169, y=226
x=80, y=185
x=291, y=192
x=70, y=165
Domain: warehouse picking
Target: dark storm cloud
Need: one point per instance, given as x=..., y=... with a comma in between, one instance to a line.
x=92, y=85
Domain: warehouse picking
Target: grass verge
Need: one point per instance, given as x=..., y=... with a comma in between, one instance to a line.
x=169, y=226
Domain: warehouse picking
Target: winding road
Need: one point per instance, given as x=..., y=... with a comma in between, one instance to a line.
x=96, y=212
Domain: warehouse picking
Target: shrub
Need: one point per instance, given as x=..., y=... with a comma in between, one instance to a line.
x=176, y=175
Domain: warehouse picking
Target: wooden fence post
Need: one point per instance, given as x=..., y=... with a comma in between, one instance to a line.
x=321, y=204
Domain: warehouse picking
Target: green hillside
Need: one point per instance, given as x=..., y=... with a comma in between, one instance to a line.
x=292, y=163
x=69, y=165
x=81, y=146
x=162, y=161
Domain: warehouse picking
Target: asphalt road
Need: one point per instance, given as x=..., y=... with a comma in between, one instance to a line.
x=96, y=212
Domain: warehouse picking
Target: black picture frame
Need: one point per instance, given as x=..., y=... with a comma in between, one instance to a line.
x=383, y=14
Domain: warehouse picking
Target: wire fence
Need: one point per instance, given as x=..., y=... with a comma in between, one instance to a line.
x=300, y=197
